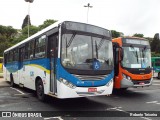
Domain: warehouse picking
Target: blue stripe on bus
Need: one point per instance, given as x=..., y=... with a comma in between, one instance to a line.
x=12, y=67
x=62, y=73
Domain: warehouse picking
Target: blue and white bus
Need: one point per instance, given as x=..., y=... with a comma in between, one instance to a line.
x=65, y=60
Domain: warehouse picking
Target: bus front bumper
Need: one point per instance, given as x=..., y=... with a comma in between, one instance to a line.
x=64, y=91
x=126, y=83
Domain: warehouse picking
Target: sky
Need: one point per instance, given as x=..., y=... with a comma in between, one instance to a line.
x=127, y=16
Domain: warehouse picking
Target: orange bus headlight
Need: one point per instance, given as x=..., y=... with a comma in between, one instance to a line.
x=126, y=77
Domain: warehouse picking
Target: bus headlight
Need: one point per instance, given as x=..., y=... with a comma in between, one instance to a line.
x=109, y=83
x=126, y=76
x=67, y=83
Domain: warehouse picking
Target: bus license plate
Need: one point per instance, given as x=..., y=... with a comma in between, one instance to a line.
x=92, y=89
x=141, y=83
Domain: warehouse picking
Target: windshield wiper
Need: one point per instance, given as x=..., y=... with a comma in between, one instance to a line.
x=143, y=54
x=100, y=43
x=71, y=39
x=96, y=47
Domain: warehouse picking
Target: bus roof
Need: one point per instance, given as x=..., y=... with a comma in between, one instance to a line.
x=54, y=25
x=131, y=37
x=35, y=35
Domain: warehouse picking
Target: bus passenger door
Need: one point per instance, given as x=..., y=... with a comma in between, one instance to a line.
x=116, y=58
x=21, y=67
x=53, y=55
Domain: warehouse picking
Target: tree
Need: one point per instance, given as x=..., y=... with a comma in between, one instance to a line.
x=116, y=34
x=155, y=44
x=46, y=23
x=23, y=34
x=26, y=21
x=32, y=30
x=138, y=35
x=7, y=35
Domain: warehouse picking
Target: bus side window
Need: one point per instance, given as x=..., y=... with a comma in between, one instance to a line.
x=10, y=56
x=40, y=48
x=31, y=49
x=157, y=62
x=26, y=51
x=15, y=54
x=53, y=43
x=21, y=54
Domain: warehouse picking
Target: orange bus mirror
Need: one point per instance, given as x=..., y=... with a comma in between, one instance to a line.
x=121, y=53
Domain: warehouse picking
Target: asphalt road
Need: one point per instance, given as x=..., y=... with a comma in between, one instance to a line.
x=134, y=100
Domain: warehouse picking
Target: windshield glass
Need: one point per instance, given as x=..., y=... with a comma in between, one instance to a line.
x=81, y=52
x=136, y=57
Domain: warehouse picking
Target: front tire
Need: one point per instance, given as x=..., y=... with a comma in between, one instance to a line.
x=40, y=90
x=12, y=84
x=123, y=89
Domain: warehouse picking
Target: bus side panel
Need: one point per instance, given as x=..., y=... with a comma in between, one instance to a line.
x=11, y=69
x=15, y=72
x=4, y=72
x=118, y=78
x=38, y=68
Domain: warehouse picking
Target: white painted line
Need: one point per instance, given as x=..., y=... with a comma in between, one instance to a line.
x=115, y=108
x=17, y=90
x=155, y=84
x=146, y=118
x=156, y=81
x=53, y=117
x=152, y=102
x=158, y=103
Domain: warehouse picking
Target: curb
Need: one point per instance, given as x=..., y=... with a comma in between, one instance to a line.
x=4, y=83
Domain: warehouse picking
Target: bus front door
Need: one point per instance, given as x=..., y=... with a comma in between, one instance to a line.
x=53, y=57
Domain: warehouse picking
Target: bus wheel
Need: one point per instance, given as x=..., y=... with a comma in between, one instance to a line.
x=159, y=75
x=40, y=90
x=123, y=89
x=12, y=81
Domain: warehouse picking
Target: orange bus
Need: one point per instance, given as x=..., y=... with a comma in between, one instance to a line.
x=132, y=62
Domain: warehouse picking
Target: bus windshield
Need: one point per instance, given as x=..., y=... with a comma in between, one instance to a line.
x=136, y=57
x=79, y=51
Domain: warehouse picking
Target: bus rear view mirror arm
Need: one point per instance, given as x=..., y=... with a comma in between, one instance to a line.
x=121, y=53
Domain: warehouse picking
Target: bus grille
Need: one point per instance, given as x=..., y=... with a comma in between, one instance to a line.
x=88, y=77
x=140, y=81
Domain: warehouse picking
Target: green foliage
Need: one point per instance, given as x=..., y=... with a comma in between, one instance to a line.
x=46, y=23
x=10, y=36
x=150, y=39
x=26, y=21
x=32, y=30
x=7, y=35
x=116, y=34
x=153, y=54
x=138, y=35
x=155, y=44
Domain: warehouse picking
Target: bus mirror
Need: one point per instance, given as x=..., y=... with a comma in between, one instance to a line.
x=121, y=53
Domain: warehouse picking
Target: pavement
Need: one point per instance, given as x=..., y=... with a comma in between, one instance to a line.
x=4, y=83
